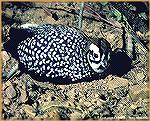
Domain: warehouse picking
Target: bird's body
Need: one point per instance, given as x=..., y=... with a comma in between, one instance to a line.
x=58, y=52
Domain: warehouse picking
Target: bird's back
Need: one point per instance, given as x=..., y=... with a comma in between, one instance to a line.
x=55, y=51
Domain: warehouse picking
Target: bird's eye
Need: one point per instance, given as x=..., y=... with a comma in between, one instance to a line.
x=95, y=55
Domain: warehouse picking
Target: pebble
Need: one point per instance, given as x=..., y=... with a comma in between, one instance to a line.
x=29, y=110
x=87, y=104
x=138, y=91
x=9, y=12
x=10, y=92
x=5, y=56
x=6, y=101
x=76, y=115
x=140, y=76
x=115, y=82
x=53, y=115
x=23, y=96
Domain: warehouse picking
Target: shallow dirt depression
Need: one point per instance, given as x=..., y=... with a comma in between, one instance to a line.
x=113, y=97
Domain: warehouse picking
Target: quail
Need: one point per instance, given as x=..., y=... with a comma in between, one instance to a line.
x=58, y=53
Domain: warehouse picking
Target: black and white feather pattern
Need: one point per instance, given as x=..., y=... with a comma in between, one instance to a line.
x=56, y=51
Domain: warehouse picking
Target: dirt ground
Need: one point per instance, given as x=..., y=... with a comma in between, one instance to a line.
x=116, y=97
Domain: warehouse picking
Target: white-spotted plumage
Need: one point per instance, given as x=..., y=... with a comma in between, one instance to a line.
x=62, y=49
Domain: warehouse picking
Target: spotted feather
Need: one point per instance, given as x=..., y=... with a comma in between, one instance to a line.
x=58, y=51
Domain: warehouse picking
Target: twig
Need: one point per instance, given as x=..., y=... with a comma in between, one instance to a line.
x=99, y=17
x=81, y=15
x=49, y=12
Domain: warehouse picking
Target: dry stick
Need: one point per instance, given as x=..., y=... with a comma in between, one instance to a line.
x=81, y=15
x=99, y=17
x=47, y=10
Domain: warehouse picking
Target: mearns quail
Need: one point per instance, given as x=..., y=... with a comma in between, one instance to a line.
x=58, y=53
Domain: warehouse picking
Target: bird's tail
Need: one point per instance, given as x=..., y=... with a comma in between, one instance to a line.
x=16, y=35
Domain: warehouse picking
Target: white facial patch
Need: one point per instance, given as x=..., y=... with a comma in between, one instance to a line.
x=95, y=49
x=95, y=66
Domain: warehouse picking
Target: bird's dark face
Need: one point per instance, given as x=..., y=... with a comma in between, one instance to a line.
x=94, y=53
x=94, y=57
x=98, y=56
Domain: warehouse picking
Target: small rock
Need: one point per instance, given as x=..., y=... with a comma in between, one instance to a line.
x=10, y=92
x=49, y=19
x=122, y=91
x=141, y=94
x=133, y=106
x=62, y=87
x=29, y=110
x=110, y=36
x=115, y=82
x=6, y=101
x=23, y=97
x=76, y=116
x=140, y=76
x=9, y=13
x=53, y=115
x=87, y=104
x=5, y=57
x=99, y=102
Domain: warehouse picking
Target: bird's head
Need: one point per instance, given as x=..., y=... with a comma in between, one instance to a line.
x=98, y=55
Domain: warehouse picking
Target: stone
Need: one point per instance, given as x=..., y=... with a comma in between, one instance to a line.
x=10, y=92
x=29, y=111
x=53, y=115
x=76, y=115
x=23, y=96
x=115, y=82
x=6, y=101
x=87, y=104
x=5, y=57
